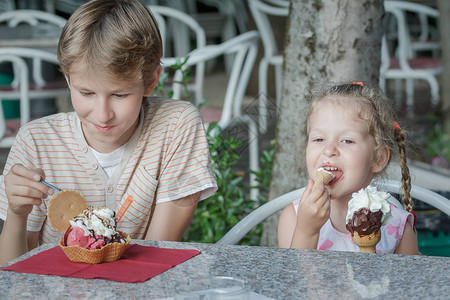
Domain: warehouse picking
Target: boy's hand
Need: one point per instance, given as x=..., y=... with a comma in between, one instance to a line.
x=314, y=209
x=24, y=189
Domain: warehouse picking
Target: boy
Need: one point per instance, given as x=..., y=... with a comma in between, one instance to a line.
x=116, y=144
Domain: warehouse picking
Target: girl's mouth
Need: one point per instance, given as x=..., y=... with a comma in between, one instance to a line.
x=335, y=171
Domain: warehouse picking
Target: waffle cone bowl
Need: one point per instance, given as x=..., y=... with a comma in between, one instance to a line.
x=367, y=243
x=110, y=252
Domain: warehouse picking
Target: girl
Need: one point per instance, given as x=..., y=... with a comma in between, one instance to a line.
x=351, y=131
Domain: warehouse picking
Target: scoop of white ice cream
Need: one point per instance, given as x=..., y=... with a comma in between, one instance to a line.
x=372, y=199
x=101, y=220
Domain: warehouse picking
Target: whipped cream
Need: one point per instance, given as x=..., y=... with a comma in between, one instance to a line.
x=326, y=171
x=372, y=199
x=99, y=220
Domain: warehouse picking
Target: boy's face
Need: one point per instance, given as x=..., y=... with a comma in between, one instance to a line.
x=339, y=141
x=108, y=108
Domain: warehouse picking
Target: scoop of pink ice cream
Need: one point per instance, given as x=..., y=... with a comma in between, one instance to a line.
x=76, y=237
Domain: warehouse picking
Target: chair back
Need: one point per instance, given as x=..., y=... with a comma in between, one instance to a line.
x=423, y=35
x=243, y=48
x=31, y=17
x=235, y=234
x=176, y=28
x=29, y=82
x=20, y=76
x=7, y=5
x=400, y=60
x=261, y=11
x=399, y=10
x=241, y=51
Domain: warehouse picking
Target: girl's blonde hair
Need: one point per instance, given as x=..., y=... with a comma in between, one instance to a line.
x=376, y=109
x=117, y=38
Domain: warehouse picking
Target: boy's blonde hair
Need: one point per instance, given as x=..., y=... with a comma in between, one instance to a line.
x=116, y=38
x=376, y=110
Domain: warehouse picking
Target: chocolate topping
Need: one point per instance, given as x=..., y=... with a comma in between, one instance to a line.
x=87, y=215
x=365, y=221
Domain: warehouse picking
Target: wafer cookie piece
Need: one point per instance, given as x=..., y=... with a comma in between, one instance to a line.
x=322, y=176
x=63, y=207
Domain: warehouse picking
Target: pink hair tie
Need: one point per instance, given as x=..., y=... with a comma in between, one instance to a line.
x=358, y=83
x=396, y=126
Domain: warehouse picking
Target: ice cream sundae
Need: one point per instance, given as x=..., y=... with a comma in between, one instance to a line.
x=90, y=233
x=94, y=228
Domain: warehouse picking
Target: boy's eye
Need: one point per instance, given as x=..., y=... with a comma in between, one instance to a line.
x=120, y=95
x=85, y=93
x=318, y=140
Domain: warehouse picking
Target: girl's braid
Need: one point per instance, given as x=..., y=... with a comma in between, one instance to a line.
x=400, y=137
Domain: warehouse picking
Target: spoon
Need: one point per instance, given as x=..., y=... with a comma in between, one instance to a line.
x=51, y=185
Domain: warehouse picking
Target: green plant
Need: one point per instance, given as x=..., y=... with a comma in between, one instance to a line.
x=168, y=73
x=215, y=216
x=438, y=145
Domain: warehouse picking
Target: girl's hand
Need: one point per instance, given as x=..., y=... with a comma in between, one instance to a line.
x=24, y=189
x=313, y=210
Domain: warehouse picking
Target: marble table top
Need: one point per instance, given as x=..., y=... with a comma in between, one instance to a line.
x=273, y=272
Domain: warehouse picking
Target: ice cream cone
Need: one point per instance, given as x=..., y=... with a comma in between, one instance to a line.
x=323, y=177
x=367, y=243
x=110, y=252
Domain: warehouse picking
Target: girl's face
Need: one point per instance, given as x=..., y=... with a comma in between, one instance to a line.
x=108, y=108
x=339, y=142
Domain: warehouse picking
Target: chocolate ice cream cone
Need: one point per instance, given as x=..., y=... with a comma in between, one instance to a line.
x=367, y=243
x=323, y=177
x=110, y=252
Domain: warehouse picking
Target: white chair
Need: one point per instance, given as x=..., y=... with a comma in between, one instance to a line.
x=175, y=27
x=7, y=5
x=235, y=234
x=36, y=83
x=243, y=49
x=31, y=17
x=422, y=27
x=42, y=24
x=272, y=56
x=402, y=62
x=222, y=20
x=20, y=75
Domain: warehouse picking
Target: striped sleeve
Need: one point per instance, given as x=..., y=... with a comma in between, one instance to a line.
x=186, y=166
x=23, y=151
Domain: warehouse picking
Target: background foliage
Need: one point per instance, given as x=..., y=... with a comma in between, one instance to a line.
x=215, y=216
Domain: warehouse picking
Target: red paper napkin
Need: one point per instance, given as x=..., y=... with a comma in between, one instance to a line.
x=138, y=264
